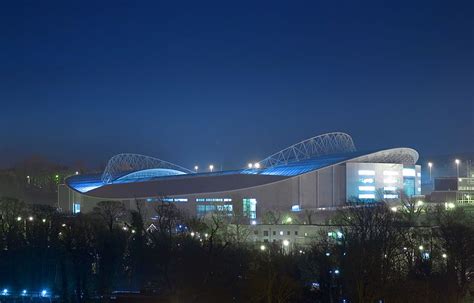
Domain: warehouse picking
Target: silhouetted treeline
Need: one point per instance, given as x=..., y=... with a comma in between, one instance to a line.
x=377, y=254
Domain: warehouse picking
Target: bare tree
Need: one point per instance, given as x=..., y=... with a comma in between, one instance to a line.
x=110, y=212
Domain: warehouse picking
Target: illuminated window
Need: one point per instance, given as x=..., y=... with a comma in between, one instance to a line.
x=77, y=208
x=250, y=208
x=390, y=188
x=390, y=173
x=390, y=196
x=364, y=172
x=225, y=207
x=174, y=200
x=203, y=210
x=366, y=180
x=409, y=172
x=366, y=188
x=295, y=208
x=390, y=180
x=213, y=200
x=366, y=196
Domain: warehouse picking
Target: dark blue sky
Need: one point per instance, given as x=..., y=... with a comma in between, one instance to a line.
x=228, y=82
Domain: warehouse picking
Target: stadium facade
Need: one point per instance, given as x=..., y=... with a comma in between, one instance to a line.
x=321, y=173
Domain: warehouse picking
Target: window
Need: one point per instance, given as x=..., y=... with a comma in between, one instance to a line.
x=409, y=186
x=288, y=233
x=281, y=232
x=296, y=232
x=366, y=196
x=390, y=180
x=77, y=208
x=390, y=196
x=390, y=173
x=366, y=180
x=274, y=233
x=265, y=233
x=409, y=172
x=250, y=208
x=213, y=200
x=202, y=210
x=366, y=188
x=364, y=172
x=255, y=232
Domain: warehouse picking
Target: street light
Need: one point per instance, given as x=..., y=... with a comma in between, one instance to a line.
x=211, y=167
x=430, y=165
x=250, y=165
x=196, y=168
x=457, y=161
x=286, y=242
x=257, y=165
x=262, y=247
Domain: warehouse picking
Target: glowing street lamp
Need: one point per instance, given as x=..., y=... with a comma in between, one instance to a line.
x=262, y=247
x=430, y=165
x=18, y=218
x=211, y=167
x=250, y=165
x=257, y=165
x=286, y=243
x=457, y=161
x=196, y=168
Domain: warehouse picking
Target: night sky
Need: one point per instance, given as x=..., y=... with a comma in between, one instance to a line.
x=232, y=81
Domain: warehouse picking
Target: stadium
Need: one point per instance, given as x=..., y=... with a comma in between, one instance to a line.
x=321, y=173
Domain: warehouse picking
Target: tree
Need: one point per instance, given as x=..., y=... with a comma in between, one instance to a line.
x=110, y=212
x=456, y=234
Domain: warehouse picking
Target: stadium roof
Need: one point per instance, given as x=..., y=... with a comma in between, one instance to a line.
x=143, y=182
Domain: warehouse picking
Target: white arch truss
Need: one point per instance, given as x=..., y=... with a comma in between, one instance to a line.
x=123, y=163
x=326, y=144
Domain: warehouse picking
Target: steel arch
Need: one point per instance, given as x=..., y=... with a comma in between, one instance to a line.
x=123, y=163
x=326, y=144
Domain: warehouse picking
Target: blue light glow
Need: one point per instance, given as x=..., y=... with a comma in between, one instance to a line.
x=295, y=208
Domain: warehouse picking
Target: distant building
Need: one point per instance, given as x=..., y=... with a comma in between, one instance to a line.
x=455, y=190
x=321, y=173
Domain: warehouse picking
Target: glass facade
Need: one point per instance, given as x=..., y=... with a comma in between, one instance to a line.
x=250, y=208
x=370, y=182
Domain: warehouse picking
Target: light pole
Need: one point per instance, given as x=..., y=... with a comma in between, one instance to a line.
x=211, y=167
x=457, y=161
x=196, y=168
x=430, y=165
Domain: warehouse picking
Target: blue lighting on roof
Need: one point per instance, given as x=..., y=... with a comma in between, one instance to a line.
x=85, y=183
x=148, y=174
